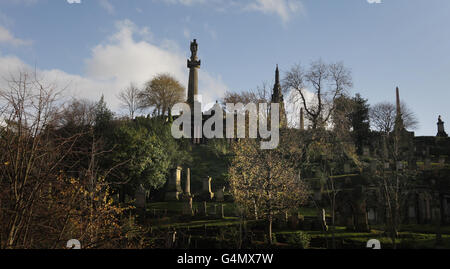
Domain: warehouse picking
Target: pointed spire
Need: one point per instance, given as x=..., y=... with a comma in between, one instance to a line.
x=277, y=76
x=399, y=125
x=277, y=96
x=399, y=109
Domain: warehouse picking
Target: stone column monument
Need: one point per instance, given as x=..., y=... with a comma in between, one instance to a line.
x=194, y=64
x=441, y=128
x=187, y=196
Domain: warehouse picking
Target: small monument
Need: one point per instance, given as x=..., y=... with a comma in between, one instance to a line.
x=441, y=128
x=140, y=199
x=174, y=185
x=207, y=194
x=220, y=195
x=187, y=196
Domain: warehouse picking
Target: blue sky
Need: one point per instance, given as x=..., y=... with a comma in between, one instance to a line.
x=100, y=46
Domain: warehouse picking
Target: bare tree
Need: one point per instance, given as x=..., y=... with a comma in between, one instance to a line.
x=383, y=116
x=41, y=206
x=326, y=82
x=264, y=183
x=161, y=93
x=129, y=99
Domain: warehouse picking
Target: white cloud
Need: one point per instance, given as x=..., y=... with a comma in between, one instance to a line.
x=6, y=37
x=107, y=6
x=285, y=9
x=374, y=1
x=74, y=1
x=123, y=58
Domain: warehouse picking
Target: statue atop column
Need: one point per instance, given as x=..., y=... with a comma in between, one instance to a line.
x=193, y=64
x=441, y=128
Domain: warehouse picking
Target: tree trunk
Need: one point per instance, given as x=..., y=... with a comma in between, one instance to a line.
x=270, y=230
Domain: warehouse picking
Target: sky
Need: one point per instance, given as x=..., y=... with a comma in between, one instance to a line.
x=95, y=47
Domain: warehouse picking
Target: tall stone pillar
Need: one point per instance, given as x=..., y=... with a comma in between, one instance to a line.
x=194, y=64
x=187, y=187
x=302, y=119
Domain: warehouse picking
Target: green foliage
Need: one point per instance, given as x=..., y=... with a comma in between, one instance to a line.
x=141, y=156
x=297, y=239
x=208, y=161
x=359, y=118
x=103, y=116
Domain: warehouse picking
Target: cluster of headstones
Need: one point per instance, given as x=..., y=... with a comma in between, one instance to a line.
x=174, y=191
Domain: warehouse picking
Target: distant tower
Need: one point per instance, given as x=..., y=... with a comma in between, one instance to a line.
x=193, y=64
x=277, y=97
x=441, y=129
x=302, y=119
x=399, y=125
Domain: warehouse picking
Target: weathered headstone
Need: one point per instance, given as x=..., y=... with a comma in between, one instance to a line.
x=207, y=194
x=219, y=195
x=187, y=207
x=322, y=220
x=205, y=208
x=174, y=185
x=140, y=199
x=371, y=215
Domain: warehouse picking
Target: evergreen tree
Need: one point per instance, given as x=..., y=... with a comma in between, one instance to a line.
x=359, y=118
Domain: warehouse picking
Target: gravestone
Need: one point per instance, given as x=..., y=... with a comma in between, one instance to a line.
x=219, y=195
x=207, y=194
x=140, y=199
x=322, y=220
x=173, y=190
x=187, y=196
x=205, y=208
x=187, y=207
x=371, y=216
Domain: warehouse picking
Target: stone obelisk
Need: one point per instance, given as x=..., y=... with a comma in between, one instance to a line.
x=399, y=125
